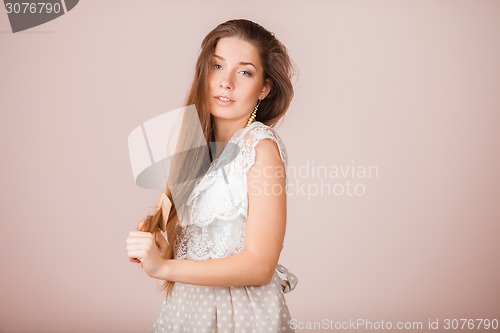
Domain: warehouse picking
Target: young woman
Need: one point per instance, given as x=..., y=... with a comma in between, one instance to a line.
x=225, y=231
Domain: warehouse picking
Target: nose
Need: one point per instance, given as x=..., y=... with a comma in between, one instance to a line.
x=225, y=83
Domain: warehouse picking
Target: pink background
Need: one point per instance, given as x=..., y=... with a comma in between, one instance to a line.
x=412, y=87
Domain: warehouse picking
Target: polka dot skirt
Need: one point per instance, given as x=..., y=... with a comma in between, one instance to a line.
x=238, y=309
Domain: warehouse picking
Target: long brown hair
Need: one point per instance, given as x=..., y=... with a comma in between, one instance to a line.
x=277, y=67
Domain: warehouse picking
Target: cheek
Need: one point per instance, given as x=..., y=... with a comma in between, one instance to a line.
x=212, y=81
x=251, y=89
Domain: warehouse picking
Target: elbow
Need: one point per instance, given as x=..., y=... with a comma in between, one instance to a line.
x=260, y=271
x=265, y=276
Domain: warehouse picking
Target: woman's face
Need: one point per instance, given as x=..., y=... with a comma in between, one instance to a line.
x=236, y=80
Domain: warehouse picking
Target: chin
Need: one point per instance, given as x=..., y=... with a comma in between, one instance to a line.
x=222, y=117
x=223, y=112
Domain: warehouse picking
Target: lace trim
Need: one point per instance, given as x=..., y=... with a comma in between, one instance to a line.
x=195, y=243
x=248, y=154
x=250, y=141
x=220, y=201
x=210, y=176
x=236, y=195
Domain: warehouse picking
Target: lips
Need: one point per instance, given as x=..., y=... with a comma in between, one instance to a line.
x=223, y=98
x=223, y=101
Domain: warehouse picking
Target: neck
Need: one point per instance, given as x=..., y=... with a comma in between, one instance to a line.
x=223, y=131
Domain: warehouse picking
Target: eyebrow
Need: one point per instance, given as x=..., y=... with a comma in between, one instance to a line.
x=241, y=62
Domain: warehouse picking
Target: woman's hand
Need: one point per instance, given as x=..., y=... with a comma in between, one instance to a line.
x=161, y=242
x=139, y=228
x=142, y=247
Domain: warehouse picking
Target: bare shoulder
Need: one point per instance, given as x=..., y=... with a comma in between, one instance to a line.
x=267, y=152
x=264, y=141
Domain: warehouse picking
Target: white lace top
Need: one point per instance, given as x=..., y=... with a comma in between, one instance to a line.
x=218, y=206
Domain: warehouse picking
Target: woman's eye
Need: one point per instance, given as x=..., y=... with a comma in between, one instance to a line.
x=246, y=73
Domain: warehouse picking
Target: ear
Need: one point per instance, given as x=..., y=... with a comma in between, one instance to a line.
x=266, y=88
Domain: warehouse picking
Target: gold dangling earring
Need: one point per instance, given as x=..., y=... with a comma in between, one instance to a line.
x=254, y=114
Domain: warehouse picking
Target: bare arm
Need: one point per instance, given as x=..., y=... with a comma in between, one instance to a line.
x=265, y=230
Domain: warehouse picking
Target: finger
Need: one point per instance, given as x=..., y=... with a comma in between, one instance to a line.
x=138, y=254
x=134, y=260
x=135, y=240
x=140, y=234
x=137, y=247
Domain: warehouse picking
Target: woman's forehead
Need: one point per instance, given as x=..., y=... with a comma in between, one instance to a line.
x=236, y=50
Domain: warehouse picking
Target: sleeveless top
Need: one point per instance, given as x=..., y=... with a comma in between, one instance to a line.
x=218, y=205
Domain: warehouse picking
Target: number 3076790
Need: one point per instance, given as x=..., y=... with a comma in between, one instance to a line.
x=471, y=324
x=32, y=8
